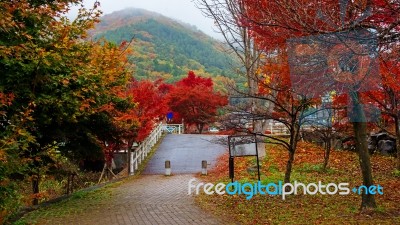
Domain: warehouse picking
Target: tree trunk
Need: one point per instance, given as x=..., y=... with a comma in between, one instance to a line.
x=360, y=132
x=200, y=127
x=368, y=201
x=289, y=165
x=35, y=189
x=294, y=137
x=327, y=153
x=397, y=141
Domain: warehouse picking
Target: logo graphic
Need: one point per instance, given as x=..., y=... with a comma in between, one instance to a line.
x=297, y=188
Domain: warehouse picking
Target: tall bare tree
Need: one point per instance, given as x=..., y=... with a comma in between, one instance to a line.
x=227, y=15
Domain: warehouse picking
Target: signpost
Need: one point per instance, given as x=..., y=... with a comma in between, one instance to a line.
x=242, y=146
x=170, y=116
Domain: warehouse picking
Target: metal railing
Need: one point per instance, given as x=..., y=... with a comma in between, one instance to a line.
x=174, y=128
x=141, y=152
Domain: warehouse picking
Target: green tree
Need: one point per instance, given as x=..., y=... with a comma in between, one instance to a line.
x=64, y=84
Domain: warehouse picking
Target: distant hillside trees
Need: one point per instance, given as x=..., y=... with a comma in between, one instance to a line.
x=169, y=48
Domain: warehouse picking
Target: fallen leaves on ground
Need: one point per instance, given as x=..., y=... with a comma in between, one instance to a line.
x=305, y=209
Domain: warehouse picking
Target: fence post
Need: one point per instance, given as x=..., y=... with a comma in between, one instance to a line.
x=145, y=149
x=136, y=160
x=131, y=163
x=140, y=153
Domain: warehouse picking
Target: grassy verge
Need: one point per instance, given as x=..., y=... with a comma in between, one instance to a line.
x=306, y=209
x=78, y=203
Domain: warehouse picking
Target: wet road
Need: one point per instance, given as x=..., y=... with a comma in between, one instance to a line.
x=185, y=151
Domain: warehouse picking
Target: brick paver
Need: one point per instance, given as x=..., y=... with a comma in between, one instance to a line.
x=164, y=200
x=150, y=199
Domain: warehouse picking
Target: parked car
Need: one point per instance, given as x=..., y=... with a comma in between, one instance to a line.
x=213, y=130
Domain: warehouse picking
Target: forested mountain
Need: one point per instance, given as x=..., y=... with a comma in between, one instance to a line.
x=164, y=48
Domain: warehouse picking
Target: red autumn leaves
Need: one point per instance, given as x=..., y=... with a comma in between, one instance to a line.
x=192, y=99
x=196, y=101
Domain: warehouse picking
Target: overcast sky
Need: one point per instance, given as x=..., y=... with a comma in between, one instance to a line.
x=183, y=10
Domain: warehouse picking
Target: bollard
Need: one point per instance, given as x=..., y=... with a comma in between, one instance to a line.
x=167, y=168
x=204, y=167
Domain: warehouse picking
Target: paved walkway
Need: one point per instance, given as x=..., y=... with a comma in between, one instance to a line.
x=152, y=199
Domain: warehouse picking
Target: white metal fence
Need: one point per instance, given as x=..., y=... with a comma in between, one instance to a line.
x=174, y=128
x=144, y=148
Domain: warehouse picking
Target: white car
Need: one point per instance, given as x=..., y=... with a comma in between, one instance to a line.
x=213, y=129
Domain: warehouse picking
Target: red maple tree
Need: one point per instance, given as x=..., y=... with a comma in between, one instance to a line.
x=151, y=104
x=194, y=99
x=274, y=22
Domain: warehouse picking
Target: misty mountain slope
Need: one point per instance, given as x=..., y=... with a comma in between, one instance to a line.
x=163, y=47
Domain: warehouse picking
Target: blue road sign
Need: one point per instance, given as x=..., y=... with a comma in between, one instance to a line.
x=170, y=115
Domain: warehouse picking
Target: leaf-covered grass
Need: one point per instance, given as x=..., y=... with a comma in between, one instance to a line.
x=306, y=209
x=78, y=203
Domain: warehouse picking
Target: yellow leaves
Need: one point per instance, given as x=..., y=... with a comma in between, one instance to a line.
x=259, y=71
x=22, y=132
x=85, y=90
x=3, y=156
x=65, y=82
x=5, y=51
x=267, y=80
x=87, y=104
